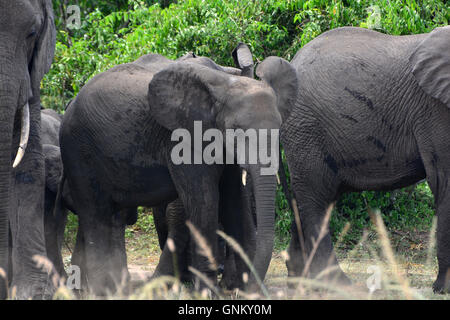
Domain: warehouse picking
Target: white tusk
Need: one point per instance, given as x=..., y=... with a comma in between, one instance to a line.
x=24, y=135
x=244, y=177
x=278, y=179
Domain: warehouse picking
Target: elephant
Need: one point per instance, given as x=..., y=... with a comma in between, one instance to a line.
x=371, y=113
x=230, y=267
x=116, y=148
x=27, y=43
x=54, y=225
x=50, y=125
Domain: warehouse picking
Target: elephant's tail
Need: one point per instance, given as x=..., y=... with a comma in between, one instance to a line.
x=59, y=206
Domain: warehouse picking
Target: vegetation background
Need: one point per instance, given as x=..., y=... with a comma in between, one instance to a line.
x=116, y=32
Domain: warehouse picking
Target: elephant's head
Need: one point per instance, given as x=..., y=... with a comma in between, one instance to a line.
x=185, y=92
x=431, y=64
x=27, y=40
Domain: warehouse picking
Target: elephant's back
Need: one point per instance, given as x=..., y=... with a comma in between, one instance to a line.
x=118, y=93
x=50, y=126
x=349, y=43
x=351, y=62
x=110, y=116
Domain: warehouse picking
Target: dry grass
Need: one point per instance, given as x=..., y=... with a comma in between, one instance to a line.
x=406, y=263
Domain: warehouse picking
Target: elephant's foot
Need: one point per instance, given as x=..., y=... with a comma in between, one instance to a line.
x=105, y=284
x=336, y=278
x=230, y=281
x=24, y=290
x=442, y=283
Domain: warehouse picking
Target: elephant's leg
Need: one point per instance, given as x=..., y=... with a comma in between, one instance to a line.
x=439, y=182
x=435, y=154
x=320, y=257
x=119, y=253
x=230, y=278
x=159, y=217
x=104, y=248
x=315, y=187
x=27, y=220
x=175, y=263
x=78, y=259
x=130, y=215
x=198, y=188
x=54, y=233
x=236, y=219
x=442, y=283
x=101, y=228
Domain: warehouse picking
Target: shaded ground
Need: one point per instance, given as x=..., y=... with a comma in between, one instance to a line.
x=416, y=269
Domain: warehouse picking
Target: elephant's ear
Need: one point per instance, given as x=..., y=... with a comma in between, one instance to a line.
x=44, y=49
x=243, y=59
x=431, y=64
x=189, y=55
x=282, y=77
x=186, y=92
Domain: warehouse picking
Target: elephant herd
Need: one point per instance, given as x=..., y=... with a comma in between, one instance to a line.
x=355, y=110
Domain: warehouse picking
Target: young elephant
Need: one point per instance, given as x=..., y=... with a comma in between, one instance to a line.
x=116, y=148
x=372, y=113
x=231, y=266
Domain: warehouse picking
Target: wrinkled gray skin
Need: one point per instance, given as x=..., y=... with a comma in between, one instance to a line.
x=54, y=224
x=27, y=41
x=170, y=223
x=372, y=114
x=164, y=216
x=115, y=146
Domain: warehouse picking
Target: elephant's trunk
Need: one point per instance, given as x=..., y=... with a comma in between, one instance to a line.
x=264, y=187
x=8, y=103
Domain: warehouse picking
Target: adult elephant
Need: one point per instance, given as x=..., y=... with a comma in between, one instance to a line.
x=27, y=41
x=116, y=149
x=372, y=114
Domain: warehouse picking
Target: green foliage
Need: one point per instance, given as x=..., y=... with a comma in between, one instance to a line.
x=116, y=32
x=70, y=232
x=145, y=223
x=409, y=209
